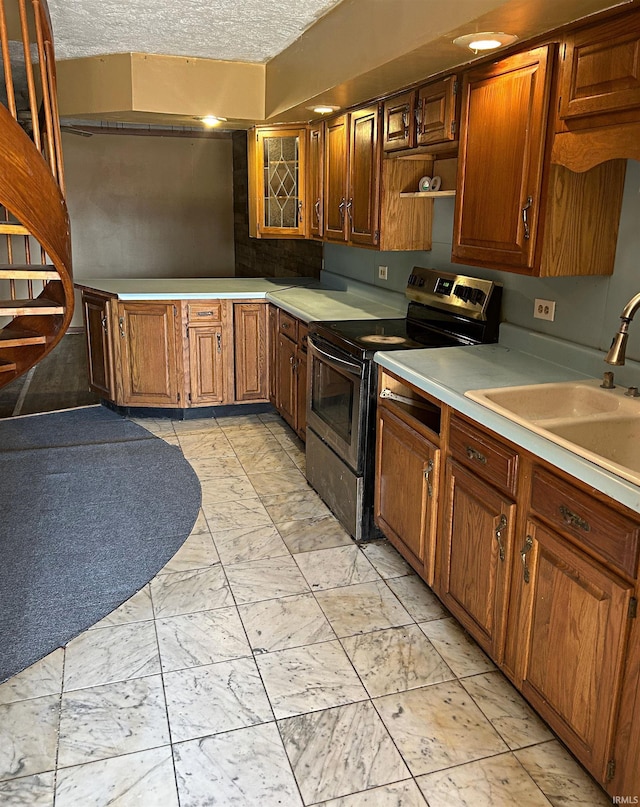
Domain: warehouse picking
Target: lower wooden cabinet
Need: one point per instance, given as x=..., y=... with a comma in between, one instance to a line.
x=475, y=556
x=574, y=620
x=288, y=362
x=407, y=473
x=177, y=354
x=146, y=354
x=95, y=309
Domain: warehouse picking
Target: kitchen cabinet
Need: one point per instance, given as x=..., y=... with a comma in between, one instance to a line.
x=277, y=203
x=290, y=371
x=207, y=352
x=95, y=309
x=315, y=176
x=406, y=490
x=147, y=353
x=574, y=622
x=514, y=210
x=424, y=117
x=251, y=372
x=600, y=74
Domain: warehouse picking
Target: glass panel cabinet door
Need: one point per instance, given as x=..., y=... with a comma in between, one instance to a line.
x=280, y=183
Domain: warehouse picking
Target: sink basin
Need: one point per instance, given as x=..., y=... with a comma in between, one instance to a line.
x=544, y=401
x=600, y=425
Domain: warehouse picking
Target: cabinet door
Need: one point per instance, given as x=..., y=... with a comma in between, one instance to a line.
x=287, y=390
x=301, y=395
x=364, y=178
x=316, y=181
x=436, y=112
x=575, y=624
x=251, y=361
x=99, y=352
x=335, y=178
x=206, y=365
x=278, y=182
x=476, y=556
x=600, y=71
x=501, y=159
x=399, y=122
x=407, y=469
x=148, y=356
x=273, y=354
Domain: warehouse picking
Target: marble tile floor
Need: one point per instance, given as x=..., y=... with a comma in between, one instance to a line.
x=273, y=662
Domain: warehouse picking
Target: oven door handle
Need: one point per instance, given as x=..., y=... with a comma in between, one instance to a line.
x=351, y=367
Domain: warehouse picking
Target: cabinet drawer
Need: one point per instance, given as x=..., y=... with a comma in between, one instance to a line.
x=594, y=525
x=204, y=312
x=303, y=331
x=288, y=325
x=487, y=457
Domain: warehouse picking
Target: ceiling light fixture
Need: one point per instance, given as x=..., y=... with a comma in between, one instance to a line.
x=484, y=40
x=323, y=109
x=211, y=120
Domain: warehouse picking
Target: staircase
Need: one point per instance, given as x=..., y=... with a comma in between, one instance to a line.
x=36, y=286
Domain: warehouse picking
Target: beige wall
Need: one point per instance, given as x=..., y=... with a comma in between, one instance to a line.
x=149, y=206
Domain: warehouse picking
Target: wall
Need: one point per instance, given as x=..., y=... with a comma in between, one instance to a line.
x=149, y=206
x=265, y=257
x=587, y=308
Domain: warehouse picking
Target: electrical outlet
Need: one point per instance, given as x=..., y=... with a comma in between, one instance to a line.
x=382, y=272
x=544, y=309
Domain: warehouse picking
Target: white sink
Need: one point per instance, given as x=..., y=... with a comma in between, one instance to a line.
x=598, y=424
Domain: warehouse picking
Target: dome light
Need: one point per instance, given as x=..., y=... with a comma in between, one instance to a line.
x=211, y=120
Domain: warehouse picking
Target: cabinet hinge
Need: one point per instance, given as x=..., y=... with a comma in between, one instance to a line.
x=186, y=327
x=456, y=85
x=633, y=608
x=454, y=126
x=611, y=769
x=175, y=310
x=189, y=397
x=564, y=51
x=376, y=236
x=178, y=397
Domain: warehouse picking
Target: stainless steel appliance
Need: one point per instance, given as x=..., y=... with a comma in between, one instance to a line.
x=445, y=310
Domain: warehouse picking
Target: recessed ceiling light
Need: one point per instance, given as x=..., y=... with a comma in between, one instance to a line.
x=323, y=109
x=211, y=120
x=484, y=40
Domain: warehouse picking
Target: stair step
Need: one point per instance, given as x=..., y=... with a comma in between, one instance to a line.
x=14, y=337
x=28, y=272
x=11, y=228
x=7, y=366
x=20, y=308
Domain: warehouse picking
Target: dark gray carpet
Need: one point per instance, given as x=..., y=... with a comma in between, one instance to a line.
x=92, y=506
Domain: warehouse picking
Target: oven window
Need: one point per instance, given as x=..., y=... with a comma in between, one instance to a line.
x=332, y=399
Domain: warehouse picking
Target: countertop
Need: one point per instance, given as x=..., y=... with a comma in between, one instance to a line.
x=302, y=297
x=447, y=373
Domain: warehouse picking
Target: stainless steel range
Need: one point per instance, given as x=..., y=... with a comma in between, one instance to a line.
x=445, y=310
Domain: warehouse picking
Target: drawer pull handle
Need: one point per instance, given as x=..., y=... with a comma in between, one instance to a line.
x=204, y=313
x=502, y=525
x=525, y=217
x=474, y=454
x=121, y=324
x=574, y=520
x=427, y=476
x=103, y=320
x=528, y=546
x=219, y=342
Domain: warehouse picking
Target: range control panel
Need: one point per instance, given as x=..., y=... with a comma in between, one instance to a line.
x=469, y=296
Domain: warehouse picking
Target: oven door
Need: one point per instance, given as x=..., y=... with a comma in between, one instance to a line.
x=336, y=398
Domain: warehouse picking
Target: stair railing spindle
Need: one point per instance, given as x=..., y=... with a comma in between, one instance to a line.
x=33, y=100
x=6, y=61
x=46, y=97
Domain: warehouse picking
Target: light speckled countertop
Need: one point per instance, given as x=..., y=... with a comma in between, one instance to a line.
x=447, y=373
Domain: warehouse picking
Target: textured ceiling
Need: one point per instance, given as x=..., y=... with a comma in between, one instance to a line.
x=234, y=30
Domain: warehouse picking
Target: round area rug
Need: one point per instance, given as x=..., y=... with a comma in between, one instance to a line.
x=92, y=506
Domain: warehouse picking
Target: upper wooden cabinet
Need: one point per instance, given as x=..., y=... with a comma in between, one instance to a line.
x=600, y=73
x=514, y=210
x=427, y=116
x=277, y=205
x=315, y=180
x=335, y=169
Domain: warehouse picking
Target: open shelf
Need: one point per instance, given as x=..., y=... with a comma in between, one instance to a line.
x=427, y=194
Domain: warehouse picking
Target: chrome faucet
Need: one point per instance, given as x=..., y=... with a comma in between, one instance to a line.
x=618, y=347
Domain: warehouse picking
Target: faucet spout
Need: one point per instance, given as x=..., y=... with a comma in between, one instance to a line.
x=617, y=351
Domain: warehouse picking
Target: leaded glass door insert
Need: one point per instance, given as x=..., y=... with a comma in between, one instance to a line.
x=281, y=182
